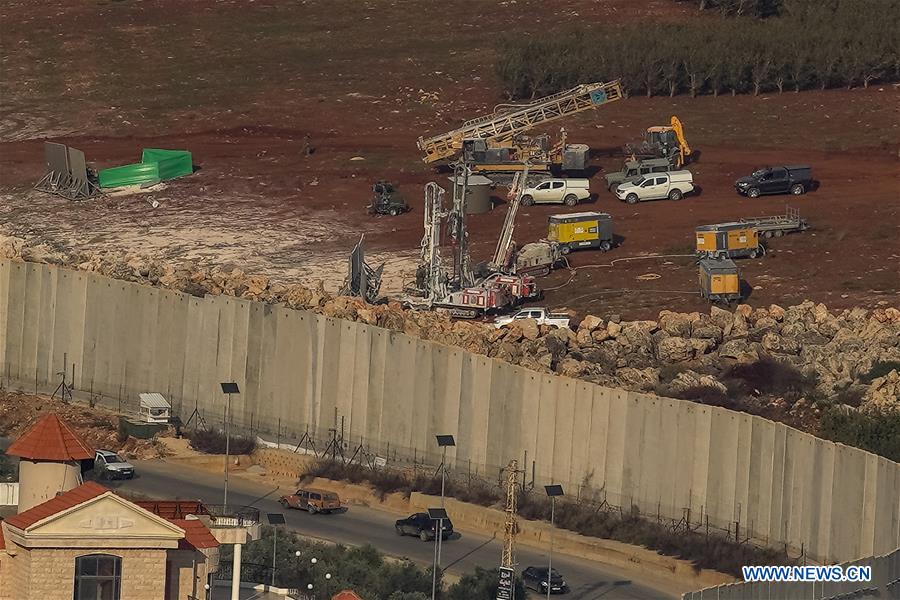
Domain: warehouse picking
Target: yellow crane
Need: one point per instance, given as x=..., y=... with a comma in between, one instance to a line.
x=497, y=142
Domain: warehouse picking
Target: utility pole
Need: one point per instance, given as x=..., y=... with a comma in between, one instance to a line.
x=507, y=588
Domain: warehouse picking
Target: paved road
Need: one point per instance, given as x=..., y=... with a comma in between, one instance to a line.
x=588, y=580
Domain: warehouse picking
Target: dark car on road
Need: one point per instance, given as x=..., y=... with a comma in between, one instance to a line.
x=535, y=578
x=796, y=179
x=421, y=525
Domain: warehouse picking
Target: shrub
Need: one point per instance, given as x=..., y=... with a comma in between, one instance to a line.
x=8, y=468
x=481, y=585
x=877, y=431
x=211, y=441
x=879, y=369
x=769, y=376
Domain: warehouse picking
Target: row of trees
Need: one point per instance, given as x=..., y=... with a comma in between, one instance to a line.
x=842, y=45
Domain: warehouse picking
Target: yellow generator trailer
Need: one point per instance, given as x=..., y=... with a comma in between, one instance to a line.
x=729, y=240
x=719, y=280
x=581, y=230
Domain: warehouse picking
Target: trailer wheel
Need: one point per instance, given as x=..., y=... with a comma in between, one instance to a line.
x=394, y=211
x=797, y=189
x=767, y=234
x=605, y=245
x=779, y=233
x=754, y=253
x=753, y=193
x=527, y=200
x=571, y=200
x=565, y=249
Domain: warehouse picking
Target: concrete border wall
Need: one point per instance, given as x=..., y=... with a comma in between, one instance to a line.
x=301, y=372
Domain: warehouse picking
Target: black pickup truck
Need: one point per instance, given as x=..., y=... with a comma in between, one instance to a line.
x=795, y=180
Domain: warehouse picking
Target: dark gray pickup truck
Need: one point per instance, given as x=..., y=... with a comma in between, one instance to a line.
x=796, y=179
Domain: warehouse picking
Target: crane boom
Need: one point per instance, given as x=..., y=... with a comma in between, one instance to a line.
x=509, y=121
x=505, y=241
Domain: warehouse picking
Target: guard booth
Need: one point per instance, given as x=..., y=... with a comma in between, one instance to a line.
x=155, y=408
x=720, y=280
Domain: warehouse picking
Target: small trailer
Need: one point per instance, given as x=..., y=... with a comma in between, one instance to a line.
x=720, y=280
x=778, y=225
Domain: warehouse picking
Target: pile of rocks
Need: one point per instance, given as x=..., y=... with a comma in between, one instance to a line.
x=635, y=355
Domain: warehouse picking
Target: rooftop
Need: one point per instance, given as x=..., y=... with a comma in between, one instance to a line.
x=64, y=501
x=50, y=439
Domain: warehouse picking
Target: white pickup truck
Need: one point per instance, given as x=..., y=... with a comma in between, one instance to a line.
x=541, y=315
x=555, y=191
x=656, y=186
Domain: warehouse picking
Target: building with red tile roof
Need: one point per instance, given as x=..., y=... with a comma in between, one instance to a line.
x=51, y=439
x=346, y=595
x=147, y=554
x=71, y=536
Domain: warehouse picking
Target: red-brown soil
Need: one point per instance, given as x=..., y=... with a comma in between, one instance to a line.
x=242, y=84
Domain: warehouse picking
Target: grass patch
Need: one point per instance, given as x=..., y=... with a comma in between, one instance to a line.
x=877, y=431
x=211, y=441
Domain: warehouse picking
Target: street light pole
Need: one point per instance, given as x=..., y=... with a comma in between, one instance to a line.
x=228, y=388
x=444, y=442
x=553, y=491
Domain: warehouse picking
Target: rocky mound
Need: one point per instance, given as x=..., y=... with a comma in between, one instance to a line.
x=677, y=352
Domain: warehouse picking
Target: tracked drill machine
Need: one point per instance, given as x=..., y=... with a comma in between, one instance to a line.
x=456, y=288
x=497, y=144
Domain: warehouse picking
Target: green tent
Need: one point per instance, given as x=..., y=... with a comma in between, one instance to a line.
x=156, y=165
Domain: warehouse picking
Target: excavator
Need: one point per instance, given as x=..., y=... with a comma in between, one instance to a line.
x=663, y=141
x=497, y=144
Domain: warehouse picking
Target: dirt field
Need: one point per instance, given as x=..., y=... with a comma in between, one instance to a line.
x=246, y=85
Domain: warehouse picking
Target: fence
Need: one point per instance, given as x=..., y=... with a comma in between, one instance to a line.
x=9, y=494
x=333, y=386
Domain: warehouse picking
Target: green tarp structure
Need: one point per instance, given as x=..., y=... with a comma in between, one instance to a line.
x=156, y=165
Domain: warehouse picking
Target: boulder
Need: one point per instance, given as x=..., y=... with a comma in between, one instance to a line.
x=774, y=343
x=599, y=335
x=744, y=310
x=677, y=324
x=529, y=328
x=776, y=312
x=722, y=319
x=613, y=329
x=884, y=392
x=590, y=323
x=674, y=350
x=708, y=332
x=637, y=379
x=584, y=337
x=737, y=349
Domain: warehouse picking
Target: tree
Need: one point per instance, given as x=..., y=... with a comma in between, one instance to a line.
x=480, y=585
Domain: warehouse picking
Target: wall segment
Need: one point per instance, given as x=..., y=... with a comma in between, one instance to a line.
x=298, y=371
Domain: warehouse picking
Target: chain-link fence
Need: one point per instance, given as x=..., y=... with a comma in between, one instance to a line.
x=335, y=444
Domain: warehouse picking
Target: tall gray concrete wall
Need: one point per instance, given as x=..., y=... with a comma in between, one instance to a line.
x=299, y=372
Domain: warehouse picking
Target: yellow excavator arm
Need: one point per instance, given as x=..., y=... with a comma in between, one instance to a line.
x=682, y=142
x=509, y=120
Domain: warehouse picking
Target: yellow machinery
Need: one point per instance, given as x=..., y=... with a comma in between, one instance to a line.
x=497, y=142
x=581, y=230
x=729, y=240
x=719, y=280
x=664, y=141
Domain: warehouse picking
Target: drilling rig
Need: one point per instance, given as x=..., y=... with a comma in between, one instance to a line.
x=455, y=288
x=497, y=145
